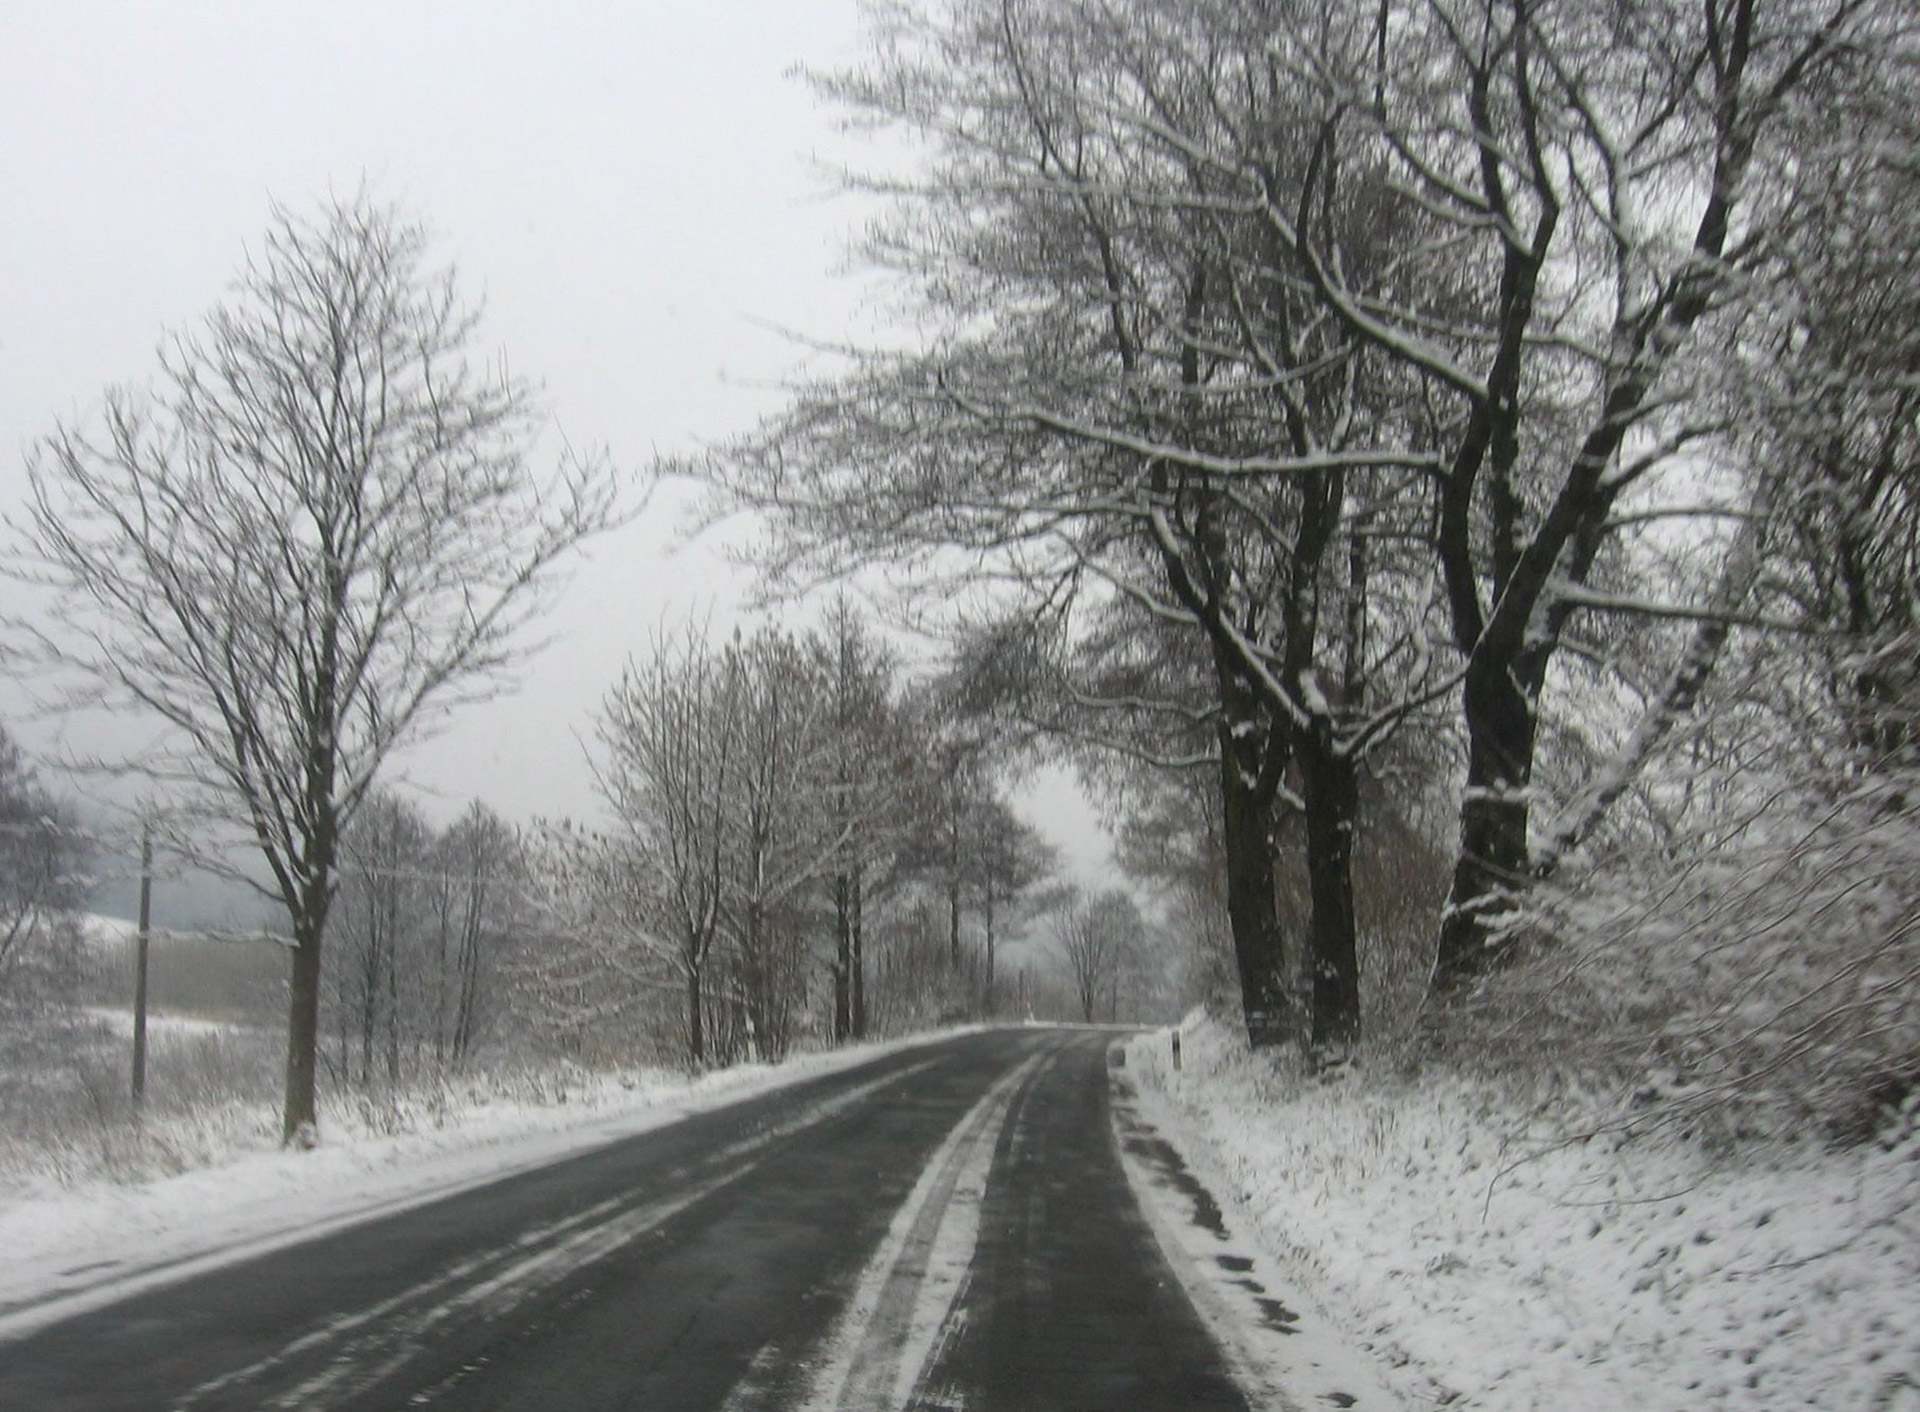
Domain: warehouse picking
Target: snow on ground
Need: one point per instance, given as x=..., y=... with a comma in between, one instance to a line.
x=118, y=1022
x=68, y=1248
x=1595, y=1275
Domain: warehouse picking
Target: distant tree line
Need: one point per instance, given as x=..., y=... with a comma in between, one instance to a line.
x=787, y=816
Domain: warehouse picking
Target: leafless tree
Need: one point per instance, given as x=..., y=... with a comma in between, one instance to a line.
x=869, y=765
x=1740, y=946
x=1010, y=858
x=321, y=531
x=478, y=884
x=1136, y=403
x=783, y=834
x=43, y=857
x=1594, y=187
x=378, y=929
x=1103, y=941
x=1369, y=326
x=671, y=733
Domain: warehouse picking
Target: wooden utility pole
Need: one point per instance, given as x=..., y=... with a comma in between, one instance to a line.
x=140, y=967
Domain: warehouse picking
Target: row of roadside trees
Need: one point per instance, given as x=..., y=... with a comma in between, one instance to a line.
x=1424, y=421
x=324, y=527
x=773, y=789
x=1388, y=412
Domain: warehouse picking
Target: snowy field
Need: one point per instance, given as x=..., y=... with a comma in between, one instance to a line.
x=119, y=1023
x=1498, y=1271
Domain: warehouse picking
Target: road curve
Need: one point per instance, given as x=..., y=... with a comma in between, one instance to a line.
x=948, y=1227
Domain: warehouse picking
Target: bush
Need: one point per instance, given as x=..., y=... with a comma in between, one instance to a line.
x=1771, y=976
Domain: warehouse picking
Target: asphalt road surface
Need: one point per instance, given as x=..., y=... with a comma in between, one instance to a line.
x=948, y=1227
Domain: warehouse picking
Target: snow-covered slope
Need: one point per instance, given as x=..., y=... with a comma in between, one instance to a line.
x=1596, y=1275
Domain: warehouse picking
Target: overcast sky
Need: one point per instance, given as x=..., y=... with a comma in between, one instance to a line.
x=637, y=189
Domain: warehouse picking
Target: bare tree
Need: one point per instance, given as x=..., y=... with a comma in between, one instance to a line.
x=1594, y=183
x=1138, y=401
x=42, y=860
x=1010, y=858
x=591, y=969
x=323, y=529
x=672, y=734
x=783, y=836
x=868, y=790
x=479, y=877
x=380, y=924
x=1103, y=941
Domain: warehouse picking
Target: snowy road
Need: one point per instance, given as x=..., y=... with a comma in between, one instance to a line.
x=952, y=1226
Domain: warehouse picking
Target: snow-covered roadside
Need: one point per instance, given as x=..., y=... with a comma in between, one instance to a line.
x=119, y=1023
x=68, y=1249
x=1593, y=1276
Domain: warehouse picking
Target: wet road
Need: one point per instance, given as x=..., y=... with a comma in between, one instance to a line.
x=943, y=1228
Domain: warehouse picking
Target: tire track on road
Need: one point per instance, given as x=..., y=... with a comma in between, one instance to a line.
x=903, y=1306
x=354, y=1352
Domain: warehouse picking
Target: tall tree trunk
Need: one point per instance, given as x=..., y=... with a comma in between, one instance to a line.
x=469, y=987
x=842, y=959
x=442, y=1036
x=754, y=998
x=1329, y=782
x=953, y=891
x=298, y=1115
x=1258, y=948
x=857, y=961
x=696, y=1020
x=369, y=1003
x=393, y=1008
x=1493, y=865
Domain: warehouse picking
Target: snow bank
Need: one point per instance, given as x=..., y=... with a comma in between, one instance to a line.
x=1510, y=1272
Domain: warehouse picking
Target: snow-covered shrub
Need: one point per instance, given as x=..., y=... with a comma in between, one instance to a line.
x=1772, y=971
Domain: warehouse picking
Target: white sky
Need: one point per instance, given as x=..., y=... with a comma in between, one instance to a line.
x=635, y=188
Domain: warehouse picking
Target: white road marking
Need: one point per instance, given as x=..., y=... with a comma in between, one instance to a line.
x=902, y=1307
x=364, y=1347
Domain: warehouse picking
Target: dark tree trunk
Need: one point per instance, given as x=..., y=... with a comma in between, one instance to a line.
x=755, y=980
x=298, y=1116
x=857, y=963
x=393, y=1026
x=391, y=962
x=1258, y=947
x=466, y=1017
x=696, y=1020
x=1329, y=781
x=1475, y=931
x=369, y=1006
x=842, y=959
